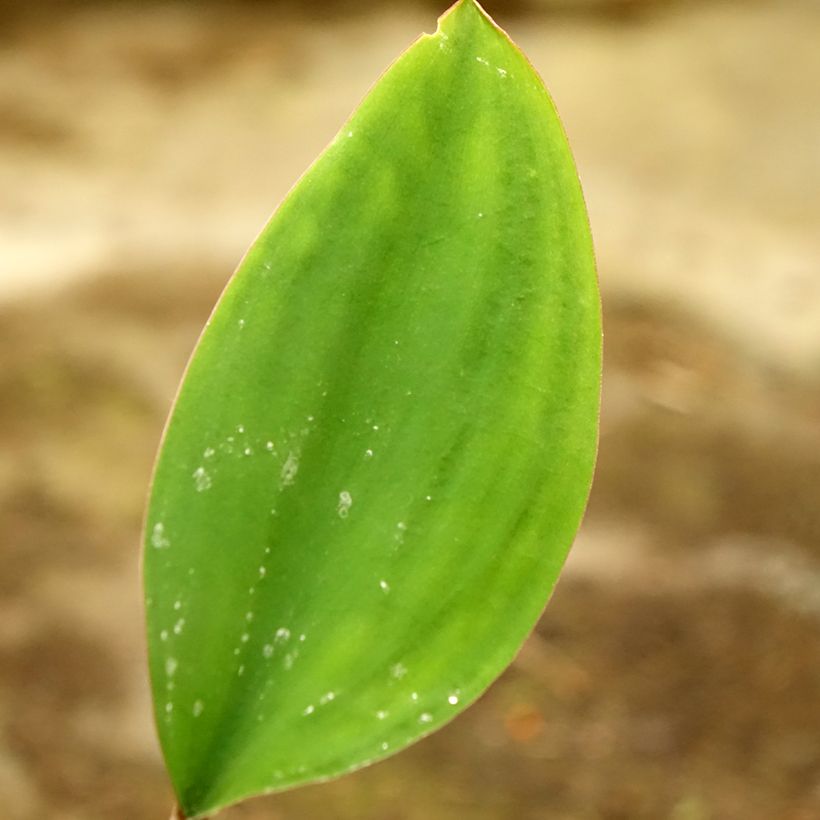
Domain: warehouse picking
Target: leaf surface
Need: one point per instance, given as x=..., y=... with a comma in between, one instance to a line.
x=384, y=441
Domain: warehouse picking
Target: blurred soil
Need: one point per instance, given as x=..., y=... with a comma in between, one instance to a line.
x=676, y=674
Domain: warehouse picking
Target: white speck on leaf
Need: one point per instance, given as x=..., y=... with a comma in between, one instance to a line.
x=289, y=469
x=248, y=451
x=414, y=696
x=208, y=453
x=502, y=72
x=282, y=634
x=244, y=637
x=267, y=650
x=262, y=572
x=345, y=503
x=381, y=714
x=384, y=586
x=178, y=626
x=368, y=453
x=425, y=717
x=159, y=540
x=197, y=708
x=327, y=698
x=163, y=636
x=202, y=481
x=269, y=446
x=482, y=61
x=170, y=666
x=177, y=605
x=309, y=710
x=452, y=700
x=398, y=670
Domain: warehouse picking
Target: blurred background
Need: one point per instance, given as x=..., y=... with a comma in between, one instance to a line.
x=676, y=673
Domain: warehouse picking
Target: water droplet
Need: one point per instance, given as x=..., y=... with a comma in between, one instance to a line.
x=345, y=503
x=269, y=446
x=158, y=538
x=309, y=710
x=384, y=585
x=202, y=481
x=197, y=708
x=248, y=451
x=452, y=700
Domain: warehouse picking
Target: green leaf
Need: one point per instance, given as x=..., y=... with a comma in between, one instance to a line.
x=383, y=444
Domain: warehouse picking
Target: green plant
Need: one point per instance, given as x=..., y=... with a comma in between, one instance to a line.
x=383, y=444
